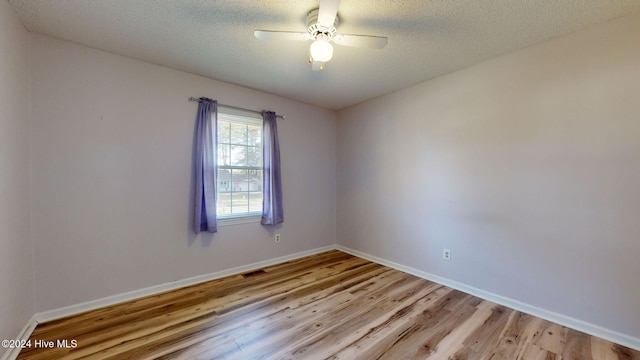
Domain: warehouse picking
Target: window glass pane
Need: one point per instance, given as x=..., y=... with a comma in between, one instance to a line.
x=240, y=202
x=224, y=181
x=254, y=156
x=255, y=201
x=240, y=180
x=223, y=131
x=224, y=154
x=255, y=135
x=238, y=155
x=223, y=205
x=255, y=180
x=238, y=134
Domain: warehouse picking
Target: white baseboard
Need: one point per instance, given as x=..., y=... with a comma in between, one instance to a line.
x=24, y=334
x=156, y=289
x=591, y=329
x=152, y=290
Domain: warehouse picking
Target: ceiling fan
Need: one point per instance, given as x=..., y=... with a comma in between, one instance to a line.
x=321, y=28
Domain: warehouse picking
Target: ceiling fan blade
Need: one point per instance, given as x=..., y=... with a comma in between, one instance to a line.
x=281, y=35
x=366, y=41
x=317, y=65
x=327, y=12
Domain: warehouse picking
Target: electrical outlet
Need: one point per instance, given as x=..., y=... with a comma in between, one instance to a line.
x=277, y=237
x=446, y=254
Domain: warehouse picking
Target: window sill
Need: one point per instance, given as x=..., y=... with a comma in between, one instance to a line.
x=239, y=220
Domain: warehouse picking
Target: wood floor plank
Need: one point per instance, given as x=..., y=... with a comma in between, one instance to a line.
x=486, y=337
x=375, y=312
x=454, y=341
x=326, y=306
x=424, y=334
x=553, y=338
x=534, y=352
x=510, y=341
x=246, y=323
x=276, y=303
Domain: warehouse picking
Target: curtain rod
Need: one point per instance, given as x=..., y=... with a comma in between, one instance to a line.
x=236, y=108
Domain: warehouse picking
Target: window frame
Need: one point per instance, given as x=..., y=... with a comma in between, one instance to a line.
x=248, y=118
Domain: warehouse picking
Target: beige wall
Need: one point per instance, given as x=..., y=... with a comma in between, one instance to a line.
x=112, y=176
x=16, y=274
x=526, y=166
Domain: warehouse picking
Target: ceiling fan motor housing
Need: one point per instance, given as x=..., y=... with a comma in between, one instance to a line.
x=319, y=31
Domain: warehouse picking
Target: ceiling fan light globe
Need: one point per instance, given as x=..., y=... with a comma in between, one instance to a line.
x=321, y=50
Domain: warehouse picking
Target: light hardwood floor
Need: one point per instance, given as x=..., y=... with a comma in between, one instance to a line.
x=327, y=306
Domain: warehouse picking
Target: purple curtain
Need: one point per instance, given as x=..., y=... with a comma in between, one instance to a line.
x=205, y=166
x=271, y=181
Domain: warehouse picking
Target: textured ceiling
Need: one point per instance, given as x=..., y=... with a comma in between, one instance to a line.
x=214, y=38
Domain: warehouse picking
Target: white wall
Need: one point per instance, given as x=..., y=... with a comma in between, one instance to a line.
x=112, y=176
x=527, y=167
x=16, y=275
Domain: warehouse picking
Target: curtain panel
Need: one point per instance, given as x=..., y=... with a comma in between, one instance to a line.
x=272, y=212
x=205, y=166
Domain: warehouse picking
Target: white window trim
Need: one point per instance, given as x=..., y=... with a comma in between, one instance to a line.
x=248, y=118
x=239, y=220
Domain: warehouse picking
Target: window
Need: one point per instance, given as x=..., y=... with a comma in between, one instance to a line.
x=239, y=187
